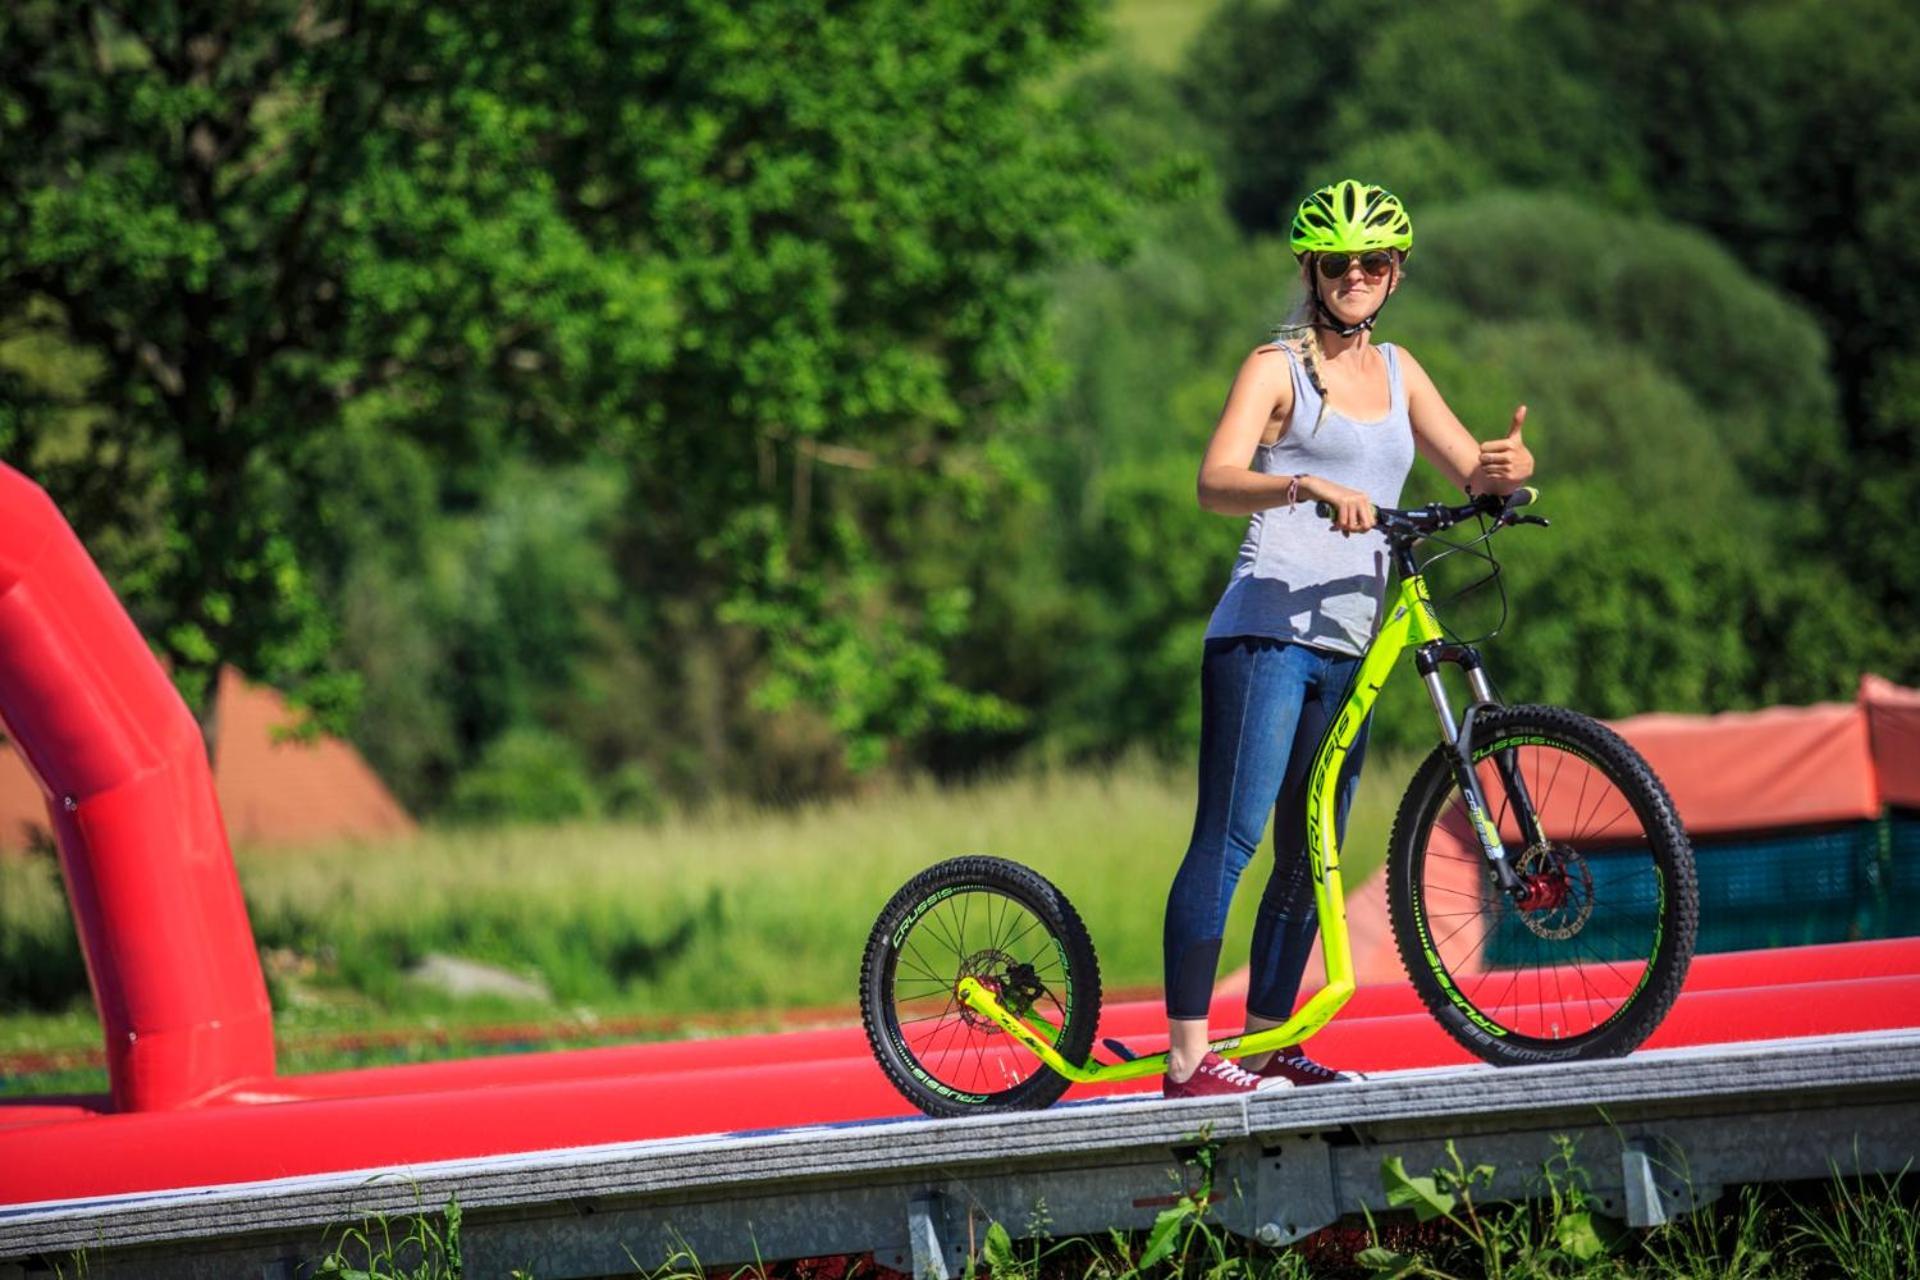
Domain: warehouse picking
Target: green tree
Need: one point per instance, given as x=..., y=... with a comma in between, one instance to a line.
x=858, y=206
x=1781, y=129
x=1433, y=100
x=279, y=229
x=339, y=264
x=1268, y=79
x=1743, y=348
x=1784, y=129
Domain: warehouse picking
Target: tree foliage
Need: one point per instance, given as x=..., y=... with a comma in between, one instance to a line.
x=284, y=232
x=340, y=266
x=700, y=397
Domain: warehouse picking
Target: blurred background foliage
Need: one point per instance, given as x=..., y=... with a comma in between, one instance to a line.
x=641, y=406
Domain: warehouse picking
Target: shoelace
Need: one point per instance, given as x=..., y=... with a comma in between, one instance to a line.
x=1236, y=1076
x=1301, y=1062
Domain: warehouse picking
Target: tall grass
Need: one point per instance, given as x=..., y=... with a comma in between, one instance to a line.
x=40, y=965
x=751, y=910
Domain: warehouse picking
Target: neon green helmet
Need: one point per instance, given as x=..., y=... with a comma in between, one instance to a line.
x=1351, y=217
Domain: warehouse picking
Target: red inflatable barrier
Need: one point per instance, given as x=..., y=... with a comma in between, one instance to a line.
x=446, y=1111
x=119, y=758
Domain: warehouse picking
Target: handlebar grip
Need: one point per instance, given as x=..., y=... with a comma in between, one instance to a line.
x=1525, y=496
x=1325, y=510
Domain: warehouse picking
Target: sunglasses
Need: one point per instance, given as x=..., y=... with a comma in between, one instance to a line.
x=1375, y=263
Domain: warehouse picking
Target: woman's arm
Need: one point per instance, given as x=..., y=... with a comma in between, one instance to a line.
x=1262, y=391
x=1496, y=466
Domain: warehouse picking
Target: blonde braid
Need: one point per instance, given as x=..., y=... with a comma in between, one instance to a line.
x=1299, y=324
x=1310, y=347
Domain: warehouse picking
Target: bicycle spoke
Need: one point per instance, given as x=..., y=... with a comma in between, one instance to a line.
x=1031, y=925
x=1580, y=829
x=917, y=963
x=937, y=926
x=1559, y=763
x=1626, y=809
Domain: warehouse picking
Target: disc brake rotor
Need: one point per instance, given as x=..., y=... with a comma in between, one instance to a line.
x=1014, y=984
x=1559, y=891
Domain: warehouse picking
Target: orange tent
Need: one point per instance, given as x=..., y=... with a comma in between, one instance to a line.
x=1743, y=771
x=271, y=792
x=1893, y=725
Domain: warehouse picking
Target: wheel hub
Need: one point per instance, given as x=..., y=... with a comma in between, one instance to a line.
x=1545, y=892
x=1014, y=984
x=1556, y=896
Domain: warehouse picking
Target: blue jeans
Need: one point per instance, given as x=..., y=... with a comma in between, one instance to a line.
x=1264, y=706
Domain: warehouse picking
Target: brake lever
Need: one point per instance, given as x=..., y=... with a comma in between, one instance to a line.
x=1542, y=521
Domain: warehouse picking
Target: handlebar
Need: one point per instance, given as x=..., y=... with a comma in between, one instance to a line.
x=1413, y=523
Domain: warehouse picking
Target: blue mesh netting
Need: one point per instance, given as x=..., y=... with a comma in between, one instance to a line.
x=1624, y=898
x=1903, y=853
x=1781, y=889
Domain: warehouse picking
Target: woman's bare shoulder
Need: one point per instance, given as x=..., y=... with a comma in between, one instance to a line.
x=1265, y=384
x=1265, y=363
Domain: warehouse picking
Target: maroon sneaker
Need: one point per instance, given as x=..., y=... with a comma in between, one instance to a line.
x=1294, y=1066
x=1215, y=1075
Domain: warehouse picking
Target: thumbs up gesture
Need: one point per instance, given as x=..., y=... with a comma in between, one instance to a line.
x=1506, y=461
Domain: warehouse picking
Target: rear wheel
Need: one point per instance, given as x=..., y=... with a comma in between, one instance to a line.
x=1588, y=959
x=1008, y=928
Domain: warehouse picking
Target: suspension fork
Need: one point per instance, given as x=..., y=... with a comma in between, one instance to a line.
x=1428, y=659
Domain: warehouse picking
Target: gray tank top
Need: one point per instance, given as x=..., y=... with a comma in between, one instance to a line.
x=1296, y=578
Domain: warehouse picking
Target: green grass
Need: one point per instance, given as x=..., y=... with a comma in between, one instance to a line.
x=735, y=911
x=742, y=911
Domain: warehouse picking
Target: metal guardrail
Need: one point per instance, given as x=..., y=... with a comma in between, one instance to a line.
x=1657, y=1133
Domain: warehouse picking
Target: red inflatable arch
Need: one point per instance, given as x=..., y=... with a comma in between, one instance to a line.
x=121, y=762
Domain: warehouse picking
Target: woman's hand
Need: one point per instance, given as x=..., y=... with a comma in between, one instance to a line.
x=1353, y=510
x=1507, y=462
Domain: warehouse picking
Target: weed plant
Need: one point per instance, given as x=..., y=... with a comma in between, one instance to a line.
x=1873, y=1224
x=1843, y=1229
x=426, y=1247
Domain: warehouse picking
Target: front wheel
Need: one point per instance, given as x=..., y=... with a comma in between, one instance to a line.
x=1586, y=960
x=1009, y=929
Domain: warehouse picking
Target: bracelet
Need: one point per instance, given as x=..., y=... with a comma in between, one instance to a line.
x=1293, y=491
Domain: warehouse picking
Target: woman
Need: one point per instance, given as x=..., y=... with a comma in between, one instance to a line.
x=1324, y=414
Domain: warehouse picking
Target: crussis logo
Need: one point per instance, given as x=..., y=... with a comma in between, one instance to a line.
x=1322, y=857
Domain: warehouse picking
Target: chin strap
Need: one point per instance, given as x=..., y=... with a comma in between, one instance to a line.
x=1327, y=320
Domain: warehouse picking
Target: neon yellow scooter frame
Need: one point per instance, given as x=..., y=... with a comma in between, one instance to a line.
x=1410, y=622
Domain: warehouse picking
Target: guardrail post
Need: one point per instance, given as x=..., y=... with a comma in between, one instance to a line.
x=925, y=1216
x=1287, y=1188
x=1656, y=1193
